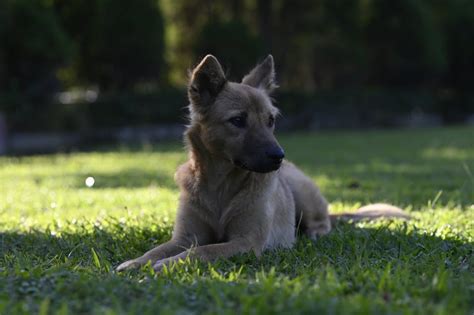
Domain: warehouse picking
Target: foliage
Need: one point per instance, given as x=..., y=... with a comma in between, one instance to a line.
x=405, y=47
x=340, y=108
x=59, y=240
x=109, y=110
x=34, y=46
x=127, y=47
x=125, y=109
x=233, y=41
x=121, y=43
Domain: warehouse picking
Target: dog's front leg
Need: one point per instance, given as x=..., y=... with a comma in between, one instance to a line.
x=168, y=249
x=212, y=252
x=189, y=230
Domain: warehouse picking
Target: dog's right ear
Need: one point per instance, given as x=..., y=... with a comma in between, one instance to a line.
x=207, y=80
x=262, y=76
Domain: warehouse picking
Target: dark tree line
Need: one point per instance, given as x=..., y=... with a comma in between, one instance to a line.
x=110, y=43
x=320, y=45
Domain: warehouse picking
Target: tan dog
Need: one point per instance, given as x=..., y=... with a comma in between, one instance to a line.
x=237, y=193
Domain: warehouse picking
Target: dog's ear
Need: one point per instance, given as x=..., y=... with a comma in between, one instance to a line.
x=207, y=80
x=262, y=76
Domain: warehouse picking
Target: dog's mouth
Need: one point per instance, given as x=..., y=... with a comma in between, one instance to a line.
x=241, y=164
x=263, y=168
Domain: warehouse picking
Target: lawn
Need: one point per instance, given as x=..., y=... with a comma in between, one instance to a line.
x=60, y=240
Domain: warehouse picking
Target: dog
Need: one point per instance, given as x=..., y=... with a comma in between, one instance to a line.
x=237, y=193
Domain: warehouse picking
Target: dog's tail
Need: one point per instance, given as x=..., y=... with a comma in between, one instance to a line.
x=370, y=212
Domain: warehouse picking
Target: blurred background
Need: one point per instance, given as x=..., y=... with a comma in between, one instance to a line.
x=76, y=73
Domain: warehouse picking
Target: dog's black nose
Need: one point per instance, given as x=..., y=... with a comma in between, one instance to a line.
x=275, y=153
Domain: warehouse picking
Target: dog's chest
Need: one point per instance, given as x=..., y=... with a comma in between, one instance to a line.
x=220, y=206
x=281, y=213
x=216, y=209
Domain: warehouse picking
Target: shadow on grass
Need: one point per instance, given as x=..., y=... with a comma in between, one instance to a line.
x=78, y=268
x=345, y=245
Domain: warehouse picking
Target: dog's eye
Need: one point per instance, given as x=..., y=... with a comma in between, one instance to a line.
x=238, y=121
x=271, y=121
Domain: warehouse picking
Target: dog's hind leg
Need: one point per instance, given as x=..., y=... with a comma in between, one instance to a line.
x=312, y=211
x=312, y=216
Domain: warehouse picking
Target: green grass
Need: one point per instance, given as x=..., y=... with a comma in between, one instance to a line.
x=60, y=240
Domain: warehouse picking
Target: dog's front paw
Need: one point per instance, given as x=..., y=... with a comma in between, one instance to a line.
x=158, y=266
x=130, y=264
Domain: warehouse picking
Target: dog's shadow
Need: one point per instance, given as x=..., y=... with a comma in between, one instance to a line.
x=347, y=246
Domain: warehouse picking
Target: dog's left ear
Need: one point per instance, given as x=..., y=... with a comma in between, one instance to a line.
x=262, y=76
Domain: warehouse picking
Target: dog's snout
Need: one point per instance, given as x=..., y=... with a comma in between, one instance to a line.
x=275, y=153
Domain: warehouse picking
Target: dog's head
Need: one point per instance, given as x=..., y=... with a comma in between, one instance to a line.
x=235, y=121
